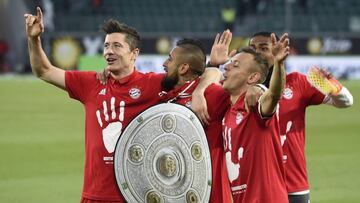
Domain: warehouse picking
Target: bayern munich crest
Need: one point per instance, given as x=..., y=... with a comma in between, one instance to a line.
x=288, y=93
x=239, y=117
x=134, y=93
x=163, y=156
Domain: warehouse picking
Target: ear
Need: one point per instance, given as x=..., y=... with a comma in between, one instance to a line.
x=254, y=78
x=135, y=53
x=183, y=69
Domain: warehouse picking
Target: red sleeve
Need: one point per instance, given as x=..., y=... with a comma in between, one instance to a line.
x=311, y=95
x=218, y=101
x=266, y=121
x=79, y=84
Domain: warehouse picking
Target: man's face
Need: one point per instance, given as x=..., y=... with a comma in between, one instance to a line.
x=171, y=66
x=237, y=72
x=117, y=52
x=262, y=45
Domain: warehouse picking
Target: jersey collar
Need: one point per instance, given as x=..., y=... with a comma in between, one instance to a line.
x=127, y=78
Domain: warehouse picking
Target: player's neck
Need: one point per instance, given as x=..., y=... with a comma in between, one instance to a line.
x=234, y=96
x=120, y=74
x=183, y=80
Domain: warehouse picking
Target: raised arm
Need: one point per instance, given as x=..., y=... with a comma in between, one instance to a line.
x=40, y=63
x=219, y=55
x=271, y=97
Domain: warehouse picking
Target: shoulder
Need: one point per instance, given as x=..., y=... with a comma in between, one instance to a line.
x=80, y=83
x=308, y=93
x=217, y=100
x=215, y=88
x=79, y=77
x=215, y=92
x=82, y=74
x=152, y=75
x=297, y=79
x=295, y=76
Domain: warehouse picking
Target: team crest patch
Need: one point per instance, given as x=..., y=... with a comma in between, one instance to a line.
x=239, y=117
x=288, y=93
x=134, y=93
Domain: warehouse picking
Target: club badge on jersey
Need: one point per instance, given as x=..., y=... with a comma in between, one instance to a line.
x=135, y=93
x=288, y=93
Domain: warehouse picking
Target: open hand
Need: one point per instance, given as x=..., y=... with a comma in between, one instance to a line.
x=280, y=49
x=220, y=49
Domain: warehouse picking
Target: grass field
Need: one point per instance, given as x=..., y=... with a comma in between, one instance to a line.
x=42, y=146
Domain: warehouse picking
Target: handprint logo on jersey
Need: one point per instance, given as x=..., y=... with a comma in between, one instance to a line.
x=283, y=138
x=232, y=168
x=112, y=131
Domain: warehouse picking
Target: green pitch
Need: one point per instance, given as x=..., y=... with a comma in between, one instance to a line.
x=333, y=137
x=41, y=143
x=42, y=146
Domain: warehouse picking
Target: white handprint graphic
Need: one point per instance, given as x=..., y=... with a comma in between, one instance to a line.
x=283, y=138
x=113, y=130
x=232, y=168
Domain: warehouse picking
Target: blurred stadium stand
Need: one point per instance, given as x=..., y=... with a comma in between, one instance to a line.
x=201, y=17
x=316, y=27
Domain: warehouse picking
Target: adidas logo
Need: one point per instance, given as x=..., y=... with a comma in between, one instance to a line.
x=102, y=92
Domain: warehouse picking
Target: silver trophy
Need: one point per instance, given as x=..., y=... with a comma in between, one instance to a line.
x=163, y=156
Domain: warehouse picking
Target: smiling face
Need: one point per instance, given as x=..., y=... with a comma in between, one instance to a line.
x=118, y=54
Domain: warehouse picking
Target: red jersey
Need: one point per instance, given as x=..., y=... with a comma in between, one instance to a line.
x=253, y=156
x=298, y=94
x=108, y=110
x=217, y=102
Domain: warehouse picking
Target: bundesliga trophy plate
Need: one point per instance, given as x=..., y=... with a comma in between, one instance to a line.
x=163, y=156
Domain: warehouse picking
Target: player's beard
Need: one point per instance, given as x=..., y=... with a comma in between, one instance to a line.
x=169, y=82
